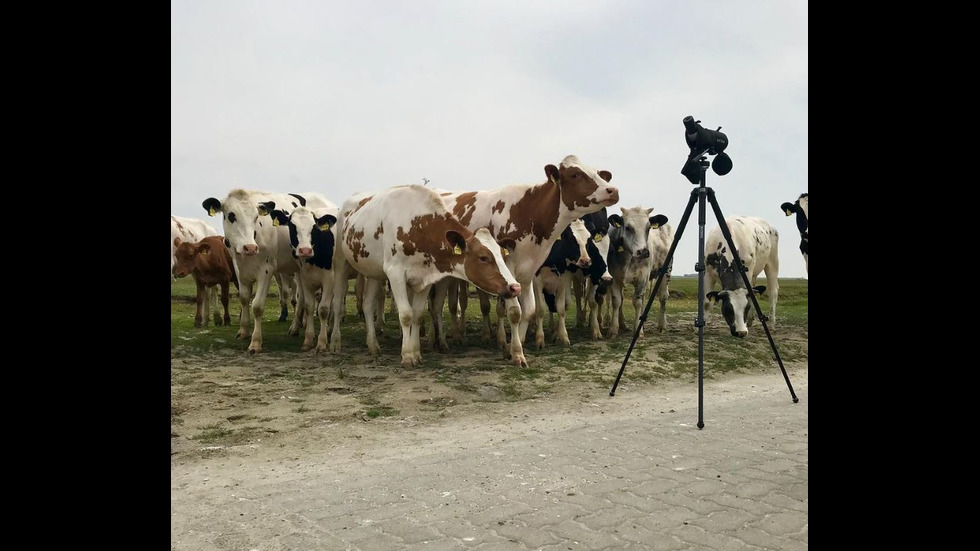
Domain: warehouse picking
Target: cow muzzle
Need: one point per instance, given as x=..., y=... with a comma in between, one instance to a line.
x=642, y=253
x=250, y=250
x=584, y=262
x=740, y=334
x=513, y=290
x=305, y=252
x=613, y=197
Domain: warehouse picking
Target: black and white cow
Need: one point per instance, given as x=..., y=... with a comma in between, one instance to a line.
x=630, y=260
x=757, y=242
x=801, y=208
x=568, y=252
x=311, y=237
x=593, y=283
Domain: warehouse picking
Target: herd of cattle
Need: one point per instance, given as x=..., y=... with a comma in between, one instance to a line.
x=533, y=246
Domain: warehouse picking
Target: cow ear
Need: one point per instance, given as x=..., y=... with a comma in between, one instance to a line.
x=553, y=175
x=456, y=241
x=788, y=208
x=657, y=221
x=279, y=218
x=507, y=246
x=712, y=296
x=266, y=207
x=176, y=242
x=605, y=175
x=211, y=205
x=300, y=198
x=326, y=221
x=759, y=289
x=204, y=248
x=616, y=221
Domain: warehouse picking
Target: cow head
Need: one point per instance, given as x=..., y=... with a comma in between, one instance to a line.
x=734, y=297
x=187, y=256
x=632, y=229
x=483, y=261
x=582, y=188
x=801, y=208
x=240, y=219
x=575, y=240
x=309, y=234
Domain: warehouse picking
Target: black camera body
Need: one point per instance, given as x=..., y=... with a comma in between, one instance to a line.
x=704, y=142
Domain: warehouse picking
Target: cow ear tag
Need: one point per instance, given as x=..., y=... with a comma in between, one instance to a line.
x=597, y=238
x=325, y=226
x=275, y=221
x=211, y=212
x=654, y=226
x=504, y=251
x=457, y=250
x=619, y=249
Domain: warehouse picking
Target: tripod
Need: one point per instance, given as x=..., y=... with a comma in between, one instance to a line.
x=698, y=195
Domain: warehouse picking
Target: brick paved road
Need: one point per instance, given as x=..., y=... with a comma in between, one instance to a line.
x=630, y=472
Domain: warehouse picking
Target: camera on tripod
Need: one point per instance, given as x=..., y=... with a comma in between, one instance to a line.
x=703, y=141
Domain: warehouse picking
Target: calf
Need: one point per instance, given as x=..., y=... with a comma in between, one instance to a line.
x=569, y=251
x=407, y=235
x=630, y=261
x=801, y=208
x=311, y=238
x=186, y=229
x=211, y=265
x=757, y=243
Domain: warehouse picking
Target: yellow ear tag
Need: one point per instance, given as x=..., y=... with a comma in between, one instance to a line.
x=211, y=211
x=559, y=238
x=788, y=212
x=504, y=251
x=457, y=250
x=325, y=227
x=619, y=249
x=275, y=221
x=552, y=180
x=654, y=226
x=597, y=238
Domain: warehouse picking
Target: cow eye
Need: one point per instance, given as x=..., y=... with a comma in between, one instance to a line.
x=485, y=259
x=231, y=217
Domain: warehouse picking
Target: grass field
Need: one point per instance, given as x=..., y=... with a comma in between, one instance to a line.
x=220, y=396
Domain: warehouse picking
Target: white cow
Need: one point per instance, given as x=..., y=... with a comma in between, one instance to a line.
x=801, y=208
x=533, y=216
x=633, y=254
x=259, y=250
x=189, y=230
x=757, y=242
x=312, y=235
x=407, y=235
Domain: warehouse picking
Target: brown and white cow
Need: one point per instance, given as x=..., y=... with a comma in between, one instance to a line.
x=801, y=208
x=186, y=229
x=534, y=217
x=757, y=242
x=209, y=262
x=406, y=235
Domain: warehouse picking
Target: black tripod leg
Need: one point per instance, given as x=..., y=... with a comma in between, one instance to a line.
x=748, y=285
x=656, y=287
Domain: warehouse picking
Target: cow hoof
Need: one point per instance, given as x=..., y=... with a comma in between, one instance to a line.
x=597, y=335
x=227, y=320
x=442, y=347
x=253, y=350
x=305, y=347
x=564, y=341
x=321, y=350
x=335, y=346
x=374, y=350
x=241, y=334
x=520, y=361
x=408, y=363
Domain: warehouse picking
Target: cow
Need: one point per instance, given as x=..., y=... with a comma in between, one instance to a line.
x=757, y=242
x=534, y=217
x=311, y=238
x=593, y=283
x=632, y=256
x=187, y=229
x=801, y=208
x=551, y=281
x=210, y=263
x=259, y=251
x=407, y=235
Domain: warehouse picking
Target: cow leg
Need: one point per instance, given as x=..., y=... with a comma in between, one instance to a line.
x=501, y=332
x=578, y=289
x=772, y=287
x=593, y=312
x=201, y=303
x=710, y=280
x=639, y=291
x=485, y=311
x=258, y=308
x=437, y=298
x=452, y=292
x=403, y=298
x=212, y=305
x=418, y=310
x=379, y=304
x=225, y=287
x=308, y=284
x=245, y=297
x=299, y=303
x=561, y=333
x=539, y=317
x=372, y=288
x=662, y=295
x=464, y=298
x=283, y=297
x=340, y=269
x=616, y=302
x=520, y=312
x=359, y=294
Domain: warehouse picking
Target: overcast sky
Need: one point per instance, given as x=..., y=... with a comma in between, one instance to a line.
x=343, y=97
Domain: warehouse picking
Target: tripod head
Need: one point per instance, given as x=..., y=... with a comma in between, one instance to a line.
x=703, y=142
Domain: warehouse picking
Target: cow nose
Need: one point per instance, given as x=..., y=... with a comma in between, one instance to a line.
x=251, y=250
x=584, y=262
x=514, y=289
x=607, y=279
x=739, y=334
x=305, y=252
x=643, y=253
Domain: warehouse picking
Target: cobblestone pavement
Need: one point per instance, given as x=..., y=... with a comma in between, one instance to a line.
x=629, y=472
